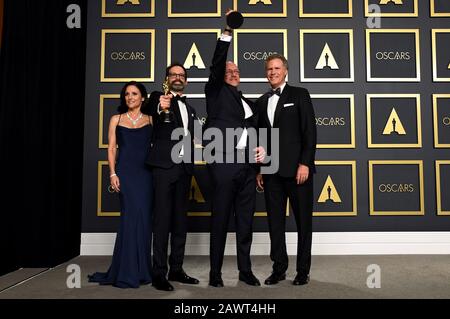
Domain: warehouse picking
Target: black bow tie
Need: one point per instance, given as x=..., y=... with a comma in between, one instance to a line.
x=180, y=98
x=272, y=92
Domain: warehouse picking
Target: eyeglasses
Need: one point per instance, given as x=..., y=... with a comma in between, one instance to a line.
x=230, y=72
x=177, y=75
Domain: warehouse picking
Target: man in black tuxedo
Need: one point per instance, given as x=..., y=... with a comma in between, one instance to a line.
x=171, y=179
x=289, y=109
x=234, y=182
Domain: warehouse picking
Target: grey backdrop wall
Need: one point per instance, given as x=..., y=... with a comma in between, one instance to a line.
x=381, y=97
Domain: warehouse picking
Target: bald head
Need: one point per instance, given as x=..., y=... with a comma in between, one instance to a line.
x=232, y=76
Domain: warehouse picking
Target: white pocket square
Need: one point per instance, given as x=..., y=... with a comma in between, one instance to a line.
x=288, y=104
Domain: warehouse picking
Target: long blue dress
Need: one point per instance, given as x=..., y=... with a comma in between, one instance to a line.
x=131, y=262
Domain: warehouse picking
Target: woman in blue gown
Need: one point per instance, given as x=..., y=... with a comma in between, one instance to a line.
x=131, y=131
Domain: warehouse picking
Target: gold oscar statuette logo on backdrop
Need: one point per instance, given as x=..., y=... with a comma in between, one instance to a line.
x=327, y=59
x=394, y=125
x=265, y=2
x=133, y=2
x=194, y=59
x=396, y=2
x=329, y=192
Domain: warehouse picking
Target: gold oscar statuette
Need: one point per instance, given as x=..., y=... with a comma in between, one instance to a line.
x=166, y=114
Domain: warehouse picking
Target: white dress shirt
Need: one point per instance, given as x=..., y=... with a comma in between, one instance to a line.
x=248, y=113
x=272, y=104
x=184, y=118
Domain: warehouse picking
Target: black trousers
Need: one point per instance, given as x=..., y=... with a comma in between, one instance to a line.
x=277, y=190
x=234, y=193
x=171, y=189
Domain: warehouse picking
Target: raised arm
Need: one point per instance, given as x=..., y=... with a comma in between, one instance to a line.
x=217, y=69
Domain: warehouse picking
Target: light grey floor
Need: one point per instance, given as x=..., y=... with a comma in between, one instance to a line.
x=424, y=276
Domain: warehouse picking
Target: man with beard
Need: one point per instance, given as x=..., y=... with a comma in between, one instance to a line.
x=171, y=178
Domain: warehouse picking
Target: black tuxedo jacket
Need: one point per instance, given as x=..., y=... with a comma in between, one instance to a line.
x=295, y=119
x=161, y=145
x=223, y=102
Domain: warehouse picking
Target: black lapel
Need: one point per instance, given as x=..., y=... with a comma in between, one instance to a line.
x=280, y=104
x=190, y=118
x=236, y=95
x=176, y=111
x=265, y=105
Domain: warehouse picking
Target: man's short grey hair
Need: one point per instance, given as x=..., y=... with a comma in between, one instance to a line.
x=277, y=56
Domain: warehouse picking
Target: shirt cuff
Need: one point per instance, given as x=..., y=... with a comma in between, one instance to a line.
x=225, y=37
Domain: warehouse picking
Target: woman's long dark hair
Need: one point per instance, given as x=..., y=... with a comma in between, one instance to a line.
x=123, y=108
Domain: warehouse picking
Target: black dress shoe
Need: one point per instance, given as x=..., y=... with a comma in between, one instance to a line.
x=249, y=278
x=275, y=278
x=162, y=284
x=300, y=280
x=216, y=281
x=181, y=276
